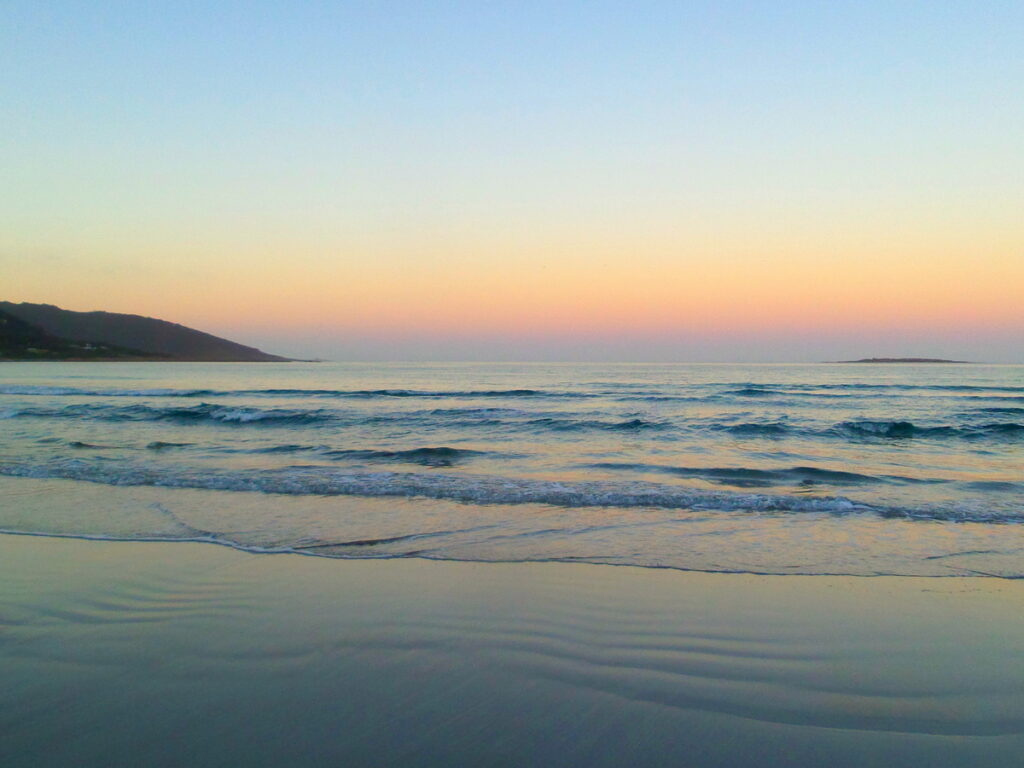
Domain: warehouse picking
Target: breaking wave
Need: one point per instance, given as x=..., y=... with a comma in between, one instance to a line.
x=484, y=489
x=251, y=415
x=901, y=430
x=517, y=420
x=187, y=414
x=745, y=477
x=441, y=456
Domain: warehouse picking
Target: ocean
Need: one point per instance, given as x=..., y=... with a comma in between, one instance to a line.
x=851, y=469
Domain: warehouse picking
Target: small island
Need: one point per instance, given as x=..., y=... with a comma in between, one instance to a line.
x=902, y=360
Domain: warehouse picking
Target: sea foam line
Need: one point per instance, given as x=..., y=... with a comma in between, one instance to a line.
x=481, y=489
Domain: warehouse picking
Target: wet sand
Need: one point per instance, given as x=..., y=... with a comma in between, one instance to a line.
x=184, y=654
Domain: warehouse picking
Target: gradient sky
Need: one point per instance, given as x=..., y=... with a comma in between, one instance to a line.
x=713, y=181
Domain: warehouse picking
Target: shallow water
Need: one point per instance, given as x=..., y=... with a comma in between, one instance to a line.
x=854, y=469
x=167, y=655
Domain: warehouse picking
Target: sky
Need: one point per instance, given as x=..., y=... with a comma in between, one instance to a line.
x=635, y=181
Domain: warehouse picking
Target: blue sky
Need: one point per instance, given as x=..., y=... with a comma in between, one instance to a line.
x=295, y=172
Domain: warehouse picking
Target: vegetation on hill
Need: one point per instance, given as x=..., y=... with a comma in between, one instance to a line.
x=23, y=341
x=64, y=334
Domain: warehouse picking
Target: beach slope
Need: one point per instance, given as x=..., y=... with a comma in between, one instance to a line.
x=169, y=654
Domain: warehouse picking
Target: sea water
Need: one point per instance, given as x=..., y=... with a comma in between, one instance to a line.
x=833, y=468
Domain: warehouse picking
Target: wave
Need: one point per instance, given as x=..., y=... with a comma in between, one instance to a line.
x=252, y=415
x=283, y=448
x=745, y=477
x=473, y=393
x=901, y=430
x=755, y=429
x=935, y=387
x=484, y=489
x=788, y=388
x=255, y=415
x=713, y=392
x=663, y=398
x=33, y=390
x=994, y=485
x=79, y=445
x=409, y=393
x=573, y=425
x=754, y=392
x=187, y=414
x=494, y=411
x=515, y=420
x=876, y=429
x=442, y=456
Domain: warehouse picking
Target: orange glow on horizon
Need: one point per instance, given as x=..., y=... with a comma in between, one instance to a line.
x=690, y=280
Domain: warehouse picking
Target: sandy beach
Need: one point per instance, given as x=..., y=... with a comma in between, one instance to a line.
x=153, y=654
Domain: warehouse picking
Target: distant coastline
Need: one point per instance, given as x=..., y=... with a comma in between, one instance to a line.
x=903, y=360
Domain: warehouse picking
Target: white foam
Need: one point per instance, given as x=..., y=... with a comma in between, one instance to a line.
x=479, y=489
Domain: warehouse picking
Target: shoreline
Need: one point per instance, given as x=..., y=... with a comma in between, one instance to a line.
x=567, y=561
x=205, y=656
x=349, y=527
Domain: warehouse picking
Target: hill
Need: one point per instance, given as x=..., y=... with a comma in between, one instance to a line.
x=23, y=341
x=65, y=334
